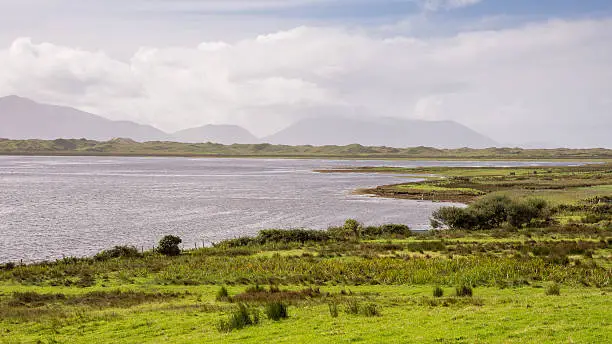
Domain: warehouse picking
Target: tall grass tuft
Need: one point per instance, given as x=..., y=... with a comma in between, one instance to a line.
x=223, y=294
x=464, y=291
x=240, y=319
x=333, y=309
x=438, y=292
x=553, y=289
x=277, y=311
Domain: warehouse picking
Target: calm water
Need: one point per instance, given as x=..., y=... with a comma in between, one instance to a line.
x=76, y=206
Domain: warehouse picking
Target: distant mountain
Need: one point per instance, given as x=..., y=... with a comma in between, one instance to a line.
x=382, y=132
x=224, y=134
x=22, y=118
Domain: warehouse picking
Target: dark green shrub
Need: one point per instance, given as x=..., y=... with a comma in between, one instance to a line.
x=553, y=289
x=240, y=319
x=291, y=235
x=169, y=245
x=464, y=291
x=493, y=212
x=118, y=252
x=277, y=311
x=438, y=292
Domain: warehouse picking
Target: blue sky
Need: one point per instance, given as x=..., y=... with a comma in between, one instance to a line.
x=515, y=70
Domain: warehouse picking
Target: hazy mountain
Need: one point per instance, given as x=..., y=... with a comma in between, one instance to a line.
x=380, y=132
x=224, y=134
x=22, y=118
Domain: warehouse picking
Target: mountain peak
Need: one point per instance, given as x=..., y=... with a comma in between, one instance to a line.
x=218, y=133
x=390, y=132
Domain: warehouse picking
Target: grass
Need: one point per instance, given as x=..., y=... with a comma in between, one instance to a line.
x=558, y=185
x=206, y=295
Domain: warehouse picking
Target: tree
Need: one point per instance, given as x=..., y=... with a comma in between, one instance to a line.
x=169, y=245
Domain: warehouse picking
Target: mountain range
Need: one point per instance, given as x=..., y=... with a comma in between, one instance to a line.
x=22, y=118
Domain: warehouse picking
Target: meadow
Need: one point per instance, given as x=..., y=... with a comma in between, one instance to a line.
x=516, y=275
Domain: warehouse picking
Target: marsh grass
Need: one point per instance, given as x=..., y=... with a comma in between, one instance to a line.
x=276, y=311
x=239, y=319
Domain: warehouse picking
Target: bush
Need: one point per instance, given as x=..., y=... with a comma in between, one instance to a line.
x=240, y=319
x=350, y=230
x=386, y=231
x=169, y=245
x=118, y=252
x=438, y=292
x=464, y=291
x=493, y=212
x=553, y=289
x=276, y=311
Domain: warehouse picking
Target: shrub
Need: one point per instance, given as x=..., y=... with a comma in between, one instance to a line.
x=222, y=294
x=118, y=252
x=240, y=319
x=388, y=231
x=493, y=212
x=276, y=311
x=169, y=245
x=292, y=235
x=464, y=291
x=438, y=292
x=553, y=289
x=333, y=310
x=350, y=230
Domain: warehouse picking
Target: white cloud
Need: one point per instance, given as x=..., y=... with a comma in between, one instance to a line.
x=547, y=81
x=435, y=5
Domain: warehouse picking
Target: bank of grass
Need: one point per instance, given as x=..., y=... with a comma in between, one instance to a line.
x=381, y=289
x=557, y=185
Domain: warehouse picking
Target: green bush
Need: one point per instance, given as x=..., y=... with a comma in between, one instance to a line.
x=438, y=292
x=240, y=319
x=277, y=311
x=118, y=252
x=169, y=245
x=493, y=212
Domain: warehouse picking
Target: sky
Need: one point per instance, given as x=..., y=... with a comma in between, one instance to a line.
x=522, y=72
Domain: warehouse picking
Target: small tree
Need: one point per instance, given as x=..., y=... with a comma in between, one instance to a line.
x=169, y=245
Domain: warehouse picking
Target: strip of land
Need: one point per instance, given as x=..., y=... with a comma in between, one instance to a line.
x=127, y=147
x=570, y=184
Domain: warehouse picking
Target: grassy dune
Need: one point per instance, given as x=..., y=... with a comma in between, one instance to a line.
x=126, y=147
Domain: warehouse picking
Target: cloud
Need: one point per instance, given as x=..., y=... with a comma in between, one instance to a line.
x=541, y=82
x=436, y=5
